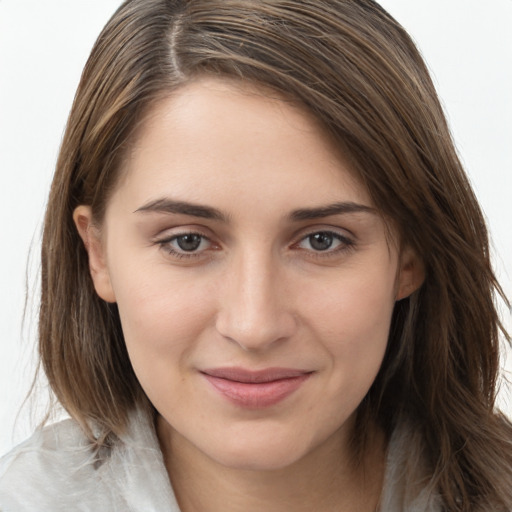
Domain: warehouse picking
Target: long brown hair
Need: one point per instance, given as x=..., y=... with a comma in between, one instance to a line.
x=356, y=69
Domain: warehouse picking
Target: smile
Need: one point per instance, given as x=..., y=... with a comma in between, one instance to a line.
x=256, y=389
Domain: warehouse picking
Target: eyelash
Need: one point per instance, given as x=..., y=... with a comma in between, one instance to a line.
x=345, y=244
x=165, y=244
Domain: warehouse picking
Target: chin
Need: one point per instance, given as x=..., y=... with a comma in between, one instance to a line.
x=261, y=460
x=271, y=454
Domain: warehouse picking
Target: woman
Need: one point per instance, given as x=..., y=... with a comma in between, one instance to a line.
x=265, y=277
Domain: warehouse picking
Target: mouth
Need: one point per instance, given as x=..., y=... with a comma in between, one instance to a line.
x=256, y=389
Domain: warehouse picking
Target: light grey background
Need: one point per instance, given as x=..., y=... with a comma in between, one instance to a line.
x=43, y=47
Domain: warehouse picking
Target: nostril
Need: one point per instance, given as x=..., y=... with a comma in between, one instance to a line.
x=256, y=332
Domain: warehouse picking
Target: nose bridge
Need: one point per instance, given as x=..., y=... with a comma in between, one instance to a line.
x=255, y=310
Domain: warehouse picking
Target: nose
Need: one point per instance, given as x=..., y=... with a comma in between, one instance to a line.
x=255, y=309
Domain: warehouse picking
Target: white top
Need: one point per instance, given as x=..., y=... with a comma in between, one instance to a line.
x=56, y=471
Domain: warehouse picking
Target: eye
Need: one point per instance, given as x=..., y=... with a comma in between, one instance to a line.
x=185, y=244
x=325, y=241
x=189, y=242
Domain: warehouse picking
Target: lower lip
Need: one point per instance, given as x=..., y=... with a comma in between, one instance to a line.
x=256, y=395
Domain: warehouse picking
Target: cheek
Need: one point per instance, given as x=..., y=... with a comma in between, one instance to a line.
x=162, y=313
x=162, y=320
x=352, y=317
x=356, y=303
x=356, y=344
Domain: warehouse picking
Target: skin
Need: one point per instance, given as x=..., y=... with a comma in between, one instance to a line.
x=256, y=293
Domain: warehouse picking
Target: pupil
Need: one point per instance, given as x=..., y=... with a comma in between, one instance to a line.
x=189, y=242
x=321, y=241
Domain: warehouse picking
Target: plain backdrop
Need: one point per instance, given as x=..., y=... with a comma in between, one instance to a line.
x=43, y=48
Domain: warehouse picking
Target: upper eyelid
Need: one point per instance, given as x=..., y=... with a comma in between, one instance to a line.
x=165, y=238
x=172, y=238
x=337, y=231
x=166, y=234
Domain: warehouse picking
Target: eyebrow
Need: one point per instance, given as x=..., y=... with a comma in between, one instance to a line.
x=166, y=205
x=331, y=209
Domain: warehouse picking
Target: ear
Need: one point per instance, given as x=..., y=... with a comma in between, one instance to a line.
x=411, y=273
x=91, y=238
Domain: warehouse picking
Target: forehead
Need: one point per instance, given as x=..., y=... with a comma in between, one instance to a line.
x=218, y=139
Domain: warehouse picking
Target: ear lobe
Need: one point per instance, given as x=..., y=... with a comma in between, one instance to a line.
x=411, y=273
x=82, y=216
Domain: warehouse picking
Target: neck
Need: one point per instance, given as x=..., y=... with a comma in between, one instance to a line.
x=326, y=480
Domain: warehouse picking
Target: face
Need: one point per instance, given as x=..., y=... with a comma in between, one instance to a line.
x=254, y=279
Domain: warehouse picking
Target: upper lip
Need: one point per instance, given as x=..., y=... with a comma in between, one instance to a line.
x=254, y=376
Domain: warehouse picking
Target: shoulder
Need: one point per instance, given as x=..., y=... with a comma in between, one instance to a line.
x=407, y=482
x=58, y=469
x=48, y=470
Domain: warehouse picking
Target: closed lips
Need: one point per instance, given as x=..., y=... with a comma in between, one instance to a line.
x=255, y=376
x=256, y=389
